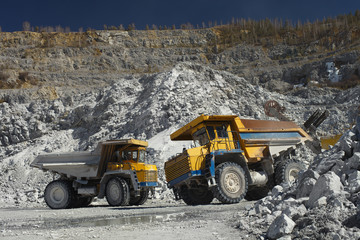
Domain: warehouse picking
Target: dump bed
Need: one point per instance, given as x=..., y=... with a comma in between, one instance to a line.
x=254, y=136
x=72, y=164
x=279, y=136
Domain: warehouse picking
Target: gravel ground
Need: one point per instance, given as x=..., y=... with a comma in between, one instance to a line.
x=150, y=221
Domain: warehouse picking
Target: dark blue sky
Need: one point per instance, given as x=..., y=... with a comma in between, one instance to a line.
x=96, y=13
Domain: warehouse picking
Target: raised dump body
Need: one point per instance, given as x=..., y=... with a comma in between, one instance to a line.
x=116, y=169
x=232, y=158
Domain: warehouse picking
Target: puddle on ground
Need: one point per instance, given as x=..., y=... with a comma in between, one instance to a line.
x=132, y=220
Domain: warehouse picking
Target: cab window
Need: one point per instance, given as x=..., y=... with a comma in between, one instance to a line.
x=126, y=155
x=211, y=132
x=142, y=155
x=134, y=155
x=221, y=132
x=200, y=137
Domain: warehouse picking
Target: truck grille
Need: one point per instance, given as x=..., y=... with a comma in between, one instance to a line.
x=151, y=176
x=177, y=167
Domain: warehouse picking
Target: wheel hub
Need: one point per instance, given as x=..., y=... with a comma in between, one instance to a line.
x=293, y=174
x=232, y=182
x=57, y=195
x=114, y=192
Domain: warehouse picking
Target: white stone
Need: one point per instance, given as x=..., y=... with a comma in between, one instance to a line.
x=281, y=226
x=277, y=190
x=295, y=212
x=320, y=202
x=327, y=184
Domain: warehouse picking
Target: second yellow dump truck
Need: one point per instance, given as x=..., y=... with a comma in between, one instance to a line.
x=233, y=158
x=116, y=170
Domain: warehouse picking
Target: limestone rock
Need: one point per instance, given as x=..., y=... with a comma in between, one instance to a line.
x=327, y=184
x=280, y=227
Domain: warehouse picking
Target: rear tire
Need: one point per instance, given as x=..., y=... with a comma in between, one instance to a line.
x=231, y=182
x=140, y=200
x=287, y=171
x=117, y=192
x=196, y=196
x=59, y=194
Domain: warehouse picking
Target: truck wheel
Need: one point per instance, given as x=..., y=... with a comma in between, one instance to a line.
x=140, y=200
x=231, y=182
x=287, y=171
x=117, y=192
x=196, y=196
x=59, y=194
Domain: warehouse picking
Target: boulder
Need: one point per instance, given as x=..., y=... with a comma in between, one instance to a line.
x=354, y=182
x=281, y=226
x=294, y=212
x=326, y=185
x=326, y=164
x=345, y=142
x=305, y=187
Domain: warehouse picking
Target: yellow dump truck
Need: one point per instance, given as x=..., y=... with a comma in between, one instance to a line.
x=233, y=158
x=116, y=170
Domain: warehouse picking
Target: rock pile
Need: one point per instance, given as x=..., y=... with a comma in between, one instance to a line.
x=324, y=203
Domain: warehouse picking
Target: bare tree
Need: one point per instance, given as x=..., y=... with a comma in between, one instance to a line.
x=26, y=26
x=121, y=27
x=59, y=29
x=0, y=29
x=131, y=27
x=67, y=29
x=81, y=29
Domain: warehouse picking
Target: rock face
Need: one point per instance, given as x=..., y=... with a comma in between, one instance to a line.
x=97, y=58
x=323, y=204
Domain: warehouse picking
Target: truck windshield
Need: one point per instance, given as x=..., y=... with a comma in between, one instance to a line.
x=142, y=156
x=200, y=137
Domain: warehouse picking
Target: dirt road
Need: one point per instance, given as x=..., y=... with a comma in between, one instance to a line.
x=150, y=221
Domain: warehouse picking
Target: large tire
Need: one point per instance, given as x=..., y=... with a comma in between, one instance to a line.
x=287, y=171
x=232, y=183
x=140, y=200
x=59, y=194
x=196, y=196
x=117, y=192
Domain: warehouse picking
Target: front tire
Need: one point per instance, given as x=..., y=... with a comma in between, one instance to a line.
x=287, y=171
x=117, y=192
x=59, y=194
x=140, y=200
x=231, y=182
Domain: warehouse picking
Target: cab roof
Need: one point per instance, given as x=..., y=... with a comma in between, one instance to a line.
x=184, y=133
x=130, y=141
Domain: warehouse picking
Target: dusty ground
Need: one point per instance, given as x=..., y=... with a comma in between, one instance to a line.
x=150, y=221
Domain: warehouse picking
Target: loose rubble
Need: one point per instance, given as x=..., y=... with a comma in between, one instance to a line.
x=324, y=203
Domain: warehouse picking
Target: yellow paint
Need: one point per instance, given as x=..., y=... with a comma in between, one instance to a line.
x=144, y=172
x=326, y=142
